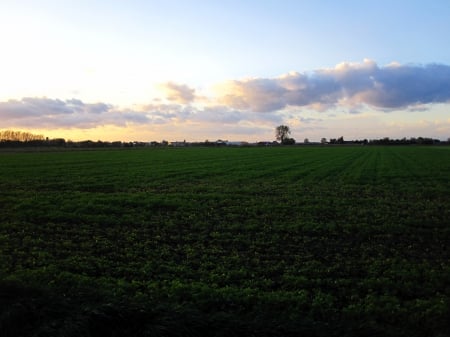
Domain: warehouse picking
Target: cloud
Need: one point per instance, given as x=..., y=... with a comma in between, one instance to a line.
x=219, y=114
x=254, y=94
x=224, y=115
x=348, y=84
x=35, y=112
x=34, y=107
x=398, y=86
x=178, y=93
x=253, y=103
x=55, y=113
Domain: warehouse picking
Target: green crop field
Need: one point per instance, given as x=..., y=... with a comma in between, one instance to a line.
x=263, y=241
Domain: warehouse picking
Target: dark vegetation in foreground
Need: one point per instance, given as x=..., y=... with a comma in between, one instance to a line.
x=285, y=241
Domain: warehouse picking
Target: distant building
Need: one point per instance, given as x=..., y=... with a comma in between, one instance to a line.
x=178, y=144
x=237, y=143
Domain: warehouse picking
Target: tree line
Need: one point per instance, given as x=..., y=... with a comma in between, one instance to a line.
x=19, y=136
x=12, y=138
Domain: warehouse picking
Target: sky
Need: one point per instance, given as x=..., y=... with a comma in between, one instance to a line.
x=197, y=70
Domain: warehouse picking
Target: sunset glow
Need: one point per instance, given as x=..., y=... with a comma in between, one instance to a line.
x=195, y=70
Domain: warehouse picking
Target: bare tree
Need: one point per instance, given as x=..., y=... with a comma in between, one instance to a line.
x=282, y=132
x=19, y=136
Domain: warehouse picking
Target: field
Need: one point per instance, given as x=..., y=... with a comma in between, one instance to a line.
x=282, y=241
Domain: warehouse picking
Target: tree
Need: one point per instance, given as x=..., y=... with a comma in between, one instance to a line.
x=289, y=141
x=282, y=132
x=19, y=136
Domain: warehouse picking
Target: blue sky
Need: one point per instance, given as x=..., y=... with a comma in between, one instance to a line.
x=195, y=70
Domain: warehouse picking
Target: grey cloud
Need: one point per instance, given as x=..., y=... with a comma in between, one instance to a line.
x=179, y=93
x=309, y=120
x=74, y=113
x=224, y=115
x=98, y=108
x=163, y=113
x=46, y=112
x=54, y=113
x=219, y=114
x=318, y=88
x=30, y=106
x=402, y=86
x=351, y=84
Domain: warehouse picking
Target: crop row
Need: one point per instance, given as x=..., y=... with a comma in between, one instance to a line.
x=324, y=240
